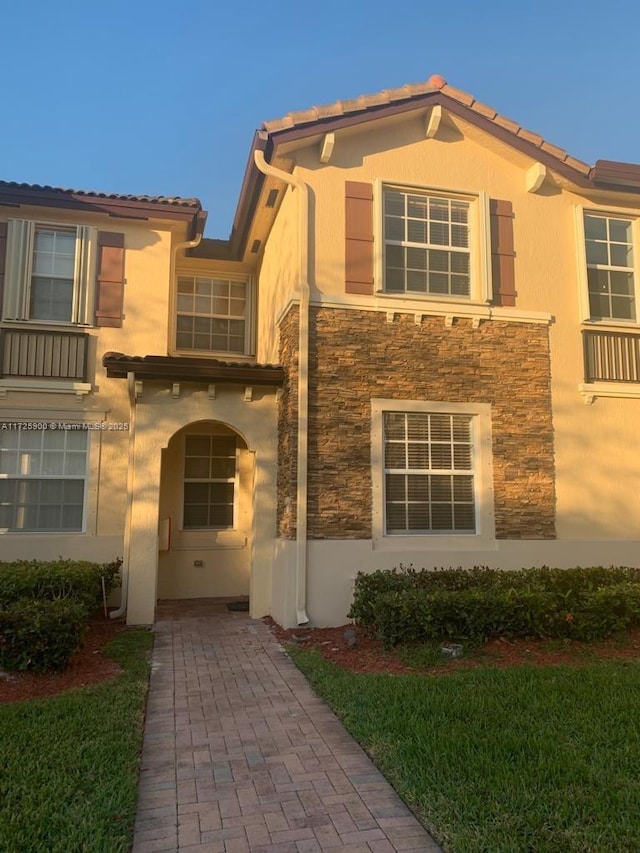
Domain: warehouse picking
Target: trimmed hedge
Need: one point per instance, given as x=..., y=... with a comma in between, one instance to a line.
x=405, y=605
x=74, y=579
x=41, y=635
x=44, y=608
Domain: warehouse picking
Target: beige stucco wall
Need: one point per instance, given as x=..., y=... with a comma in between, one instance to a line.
x=159, y=416
x=147, y=272
x=596, y=452
x=147, y=330
x=278, y=277
x=333, y=565
x=223, y=555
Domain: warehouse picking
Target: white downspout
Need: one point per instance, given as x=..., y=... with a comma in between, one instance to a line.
x=131, y=387
x=303, y=379
x=186, y=244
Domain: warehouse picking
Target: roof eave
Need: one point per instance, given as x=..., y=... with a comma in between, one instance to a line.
x=120, y=208
x=249, y=194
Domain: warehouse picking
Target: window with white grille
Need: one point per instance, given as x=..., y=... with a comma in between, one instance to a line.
x=429, y=473
x=50, y=273
x=426, y=244
x=213, y=315
x=210, y=482
x=610, y=267
x=42, y=479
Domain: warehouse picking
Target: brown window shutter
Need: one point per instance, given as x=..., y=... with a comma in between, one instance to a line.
x=3, y=255
x=502, y=253
x=358, y=261
x=110, y=279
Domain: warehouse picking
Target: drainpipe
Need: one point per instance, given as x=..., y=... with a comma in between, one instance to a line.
x=131, y=387
x=186, y=244
x=303, y=379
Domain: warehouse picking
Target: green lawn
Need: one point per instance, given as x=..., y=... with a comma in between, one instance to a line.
x=544, y=760
x=69, y=764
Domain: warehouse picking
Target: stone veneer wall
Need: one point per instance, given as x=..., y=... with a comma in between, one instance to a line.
x=357, y=355
x=288, y=427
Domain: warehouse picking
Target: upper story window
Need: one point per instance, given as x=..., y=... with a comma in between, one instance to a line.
x=53, y=274
x=213, y=314
x=611, y=273
x=50, y=273
x=426, y=244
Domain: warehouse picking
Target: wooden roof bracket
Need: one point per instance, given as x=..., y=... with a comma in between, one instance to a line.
x=433, y=121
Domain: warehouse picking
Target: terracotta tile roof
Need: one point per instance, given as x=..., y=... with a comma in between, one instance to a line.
x=433, y=85
x=174, y=201
x=340, y=108
x=191, y=369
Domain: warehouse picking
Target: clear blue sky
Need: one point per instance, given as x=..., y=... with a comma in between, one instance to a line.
x=146, y=96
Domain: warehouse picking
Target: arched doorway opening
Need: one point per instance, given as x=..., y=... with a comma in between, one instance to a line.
x=206, y=485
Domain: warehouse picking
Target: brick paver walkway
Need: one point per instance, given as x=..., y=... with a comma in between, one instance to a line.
x=240, y=755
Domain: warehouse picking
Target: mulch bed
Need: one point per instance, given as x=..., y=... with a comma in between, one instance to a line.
x=90, y=665
x=369, y=655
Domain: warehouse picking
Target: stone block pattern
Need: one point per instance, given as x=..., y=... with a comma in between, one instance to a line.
x=358, y=355
x=288, y=427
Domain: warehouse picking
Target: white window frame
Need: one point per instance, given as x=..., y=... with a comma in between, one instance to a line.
x=235, y=480
x=19, y=272
x=249, y=330
x=92, y=455
x=581, y=247
x=480, y=284
x=482, y=473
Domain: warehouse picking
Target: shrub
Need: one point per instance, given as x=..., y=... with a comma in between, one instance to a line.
x=41, y=635
x=79, y=580
x=584, y=603
x=43, y=609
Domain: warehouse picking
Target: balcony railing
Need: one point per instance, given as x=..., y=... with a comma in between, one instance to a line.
x=611, y=356
x=43, y=354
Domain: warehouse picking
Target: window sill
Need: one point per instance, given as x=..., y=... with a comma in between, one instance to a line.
x=623, y=390
x=40, y=386
x=420, y=542
x=214, y=356
x=47, y=325
x=5, y=531
x=207, y=540
x=613, y=325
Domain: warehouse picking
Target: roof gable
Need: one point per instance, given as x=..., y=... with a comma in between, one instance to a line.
x=415, y=96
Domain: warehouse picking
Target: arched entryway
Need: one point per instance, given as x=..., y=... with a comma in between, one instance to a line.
x=205, y=513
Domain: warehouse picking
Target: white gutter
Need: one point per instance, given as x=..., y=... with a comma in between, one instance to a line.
x=131, y=388
x=303, y=379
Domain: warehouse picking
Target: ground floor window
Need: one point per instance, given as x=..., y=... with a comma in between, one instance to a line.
x=429, y=476
x=431, y=469
x=42, y=479
x=210, y=486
